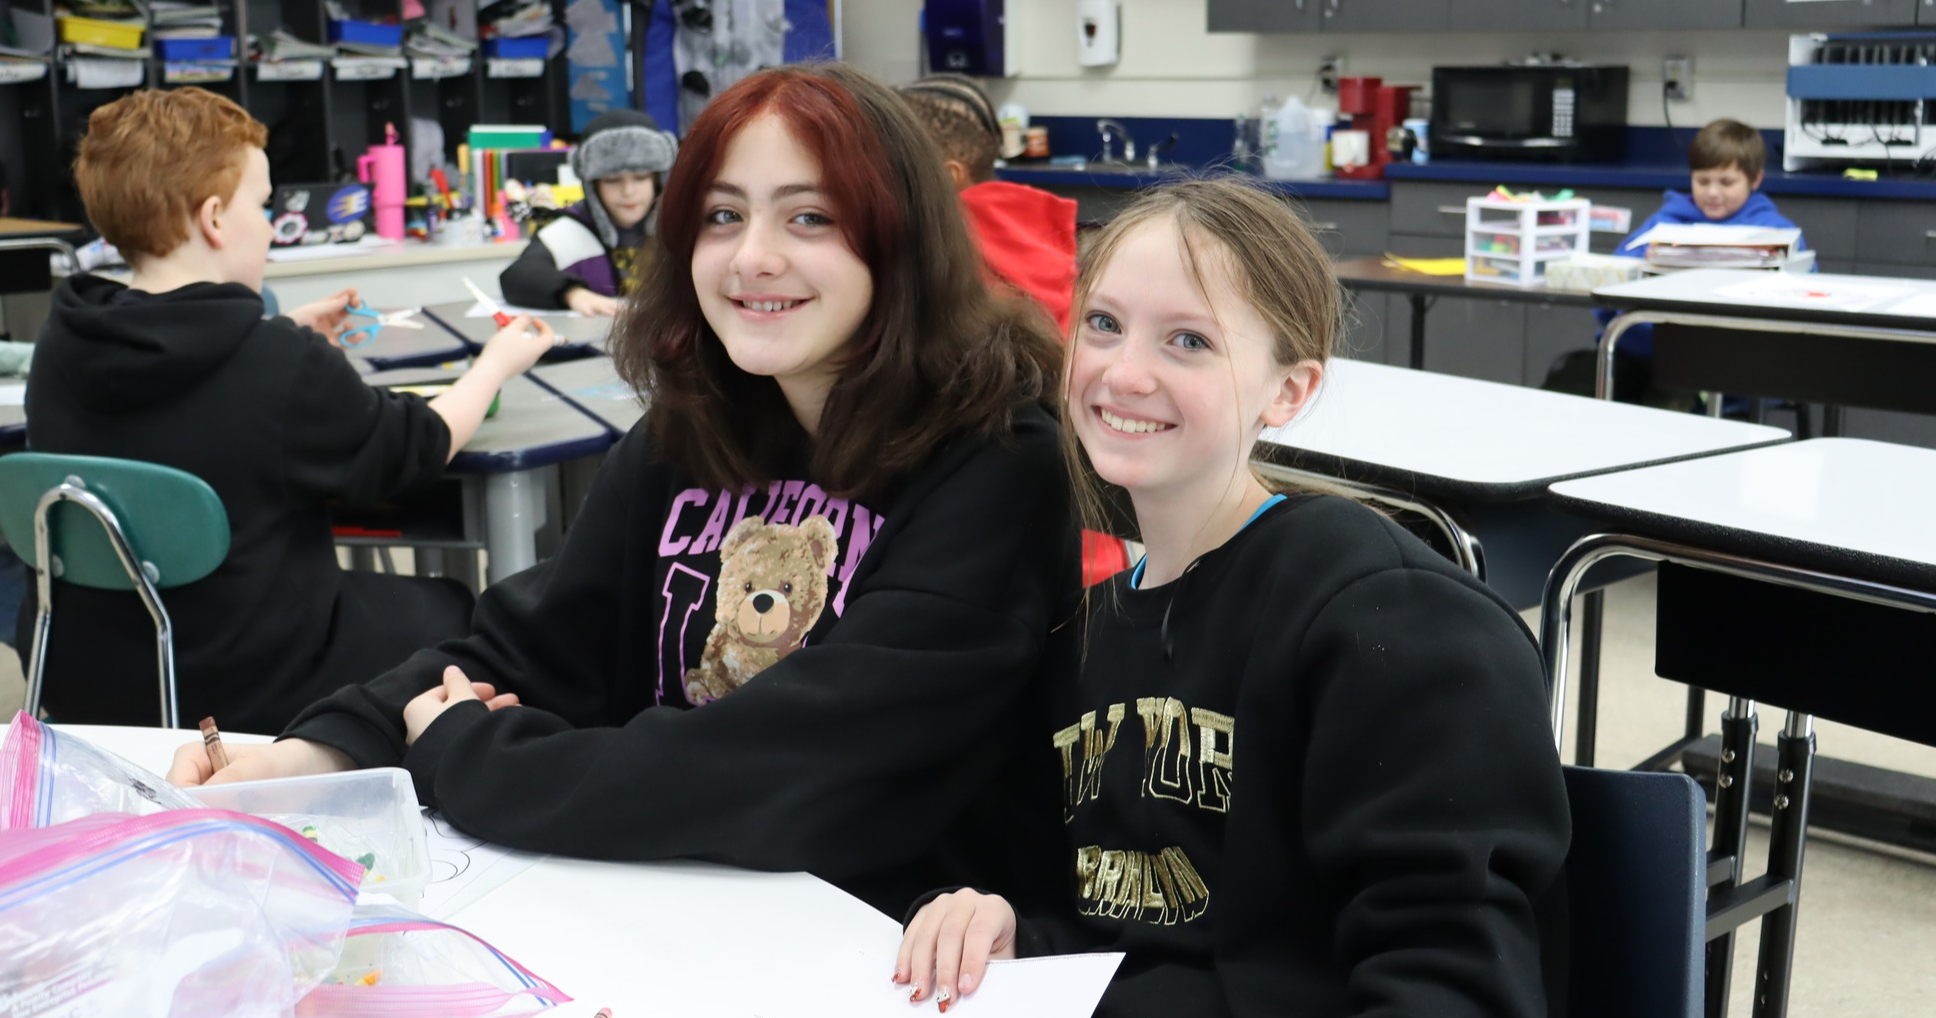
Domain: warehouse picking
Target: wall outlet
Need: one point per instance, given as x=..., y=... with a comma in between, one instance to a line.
x=1329, y=68
x=1677, y=78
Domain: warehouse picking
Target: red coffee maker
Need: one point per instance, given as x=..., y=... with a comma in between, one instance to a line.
x=1370, y=106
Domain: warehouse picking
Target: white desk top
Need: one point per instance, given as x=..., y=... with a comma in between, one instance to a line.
x=1842, y=495
x=592, y=383
x=589, y=330
x=698, y=940
x=1769, y=294
x=1484, y=438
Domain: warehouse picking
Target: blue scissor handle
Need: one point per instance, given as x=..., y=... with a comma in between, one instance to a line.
x=368, y=331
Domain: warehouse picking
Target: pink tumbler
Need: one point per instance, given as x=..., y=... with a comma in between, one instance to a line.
x=384, y=163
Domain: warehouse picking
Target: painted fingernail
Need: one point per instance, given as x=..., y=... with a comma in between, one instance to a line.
x=914, y=996
x=943, y=999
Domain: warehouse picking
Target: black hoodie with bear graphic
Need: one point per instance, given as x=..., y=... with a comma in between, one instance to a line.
x=276, y=420
x=701, y=676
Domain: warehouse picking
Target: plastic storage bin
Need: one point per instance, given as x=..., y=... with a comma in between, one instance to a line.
x=101, y=33
x=1512, y=242
x=220, y=47
x=369, y=816
x=366, y=33
x=518, y=48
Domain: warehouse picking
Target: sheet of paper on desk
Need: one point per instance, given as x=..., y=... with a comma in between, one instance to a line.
x=1719, y=235
x=464, y=869
x=13, y=393
x=1921, y=305
x=1798, y=290
x=856, y=986
x=478, y=310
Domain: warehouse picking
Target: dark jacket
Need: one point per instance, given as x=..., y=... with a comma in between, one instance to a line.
x=859, y=756
x=566, y=253
x=275, y=420
x=1313, y=776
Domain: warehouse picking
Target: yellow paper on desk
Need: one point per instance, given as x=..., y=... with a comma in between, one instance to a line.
x=1428, y=266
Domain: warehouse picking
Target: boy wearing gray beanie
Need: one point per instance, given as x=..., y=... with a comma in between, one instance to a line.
x=587, y=258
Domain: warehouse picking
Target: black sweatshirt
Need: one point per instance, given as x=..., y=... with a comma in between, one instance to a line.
x=1401, y=807
x=851, y=757
x=276, y=420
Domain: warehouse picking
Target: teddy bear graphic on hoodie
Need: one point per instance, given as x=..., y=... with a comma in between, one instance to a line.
x=772, y=590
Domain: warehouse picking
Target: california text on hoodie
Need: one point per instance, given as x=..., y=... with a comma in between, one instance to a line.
x=276, y=420
x=777, y=677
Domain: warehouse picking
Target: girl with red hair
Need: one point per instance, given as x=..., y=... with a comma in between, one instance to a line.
x=796, y=618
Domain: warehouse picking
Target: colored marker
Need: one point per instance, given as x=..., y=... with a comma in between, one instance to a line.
x=212, y=738
x=497, y=313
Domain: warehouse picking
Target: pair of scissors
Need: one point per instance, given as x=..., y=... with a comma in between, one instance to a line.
x=382, y=318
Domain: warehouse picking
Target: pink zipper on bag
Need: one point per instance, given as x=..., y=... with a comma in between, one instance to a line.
x=458, y=1000
x=20, y=770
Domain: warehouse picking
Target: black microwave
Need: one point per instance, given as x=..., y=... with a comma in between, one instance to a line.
x=1533, y=112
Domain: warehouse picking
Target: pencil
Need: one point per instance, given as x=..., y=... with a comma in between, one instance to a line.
x=212, y=738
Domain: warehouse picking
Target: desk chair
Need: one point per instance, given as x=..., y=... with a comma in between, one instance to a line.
x=154, y=527
x=1636, y=894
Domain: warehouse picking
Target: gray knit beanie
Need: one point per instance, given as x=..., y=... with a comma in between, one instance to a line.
x=618, y=141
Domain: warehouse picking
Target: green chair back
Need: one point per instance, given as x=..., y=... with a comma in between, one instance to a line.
x=173, y=520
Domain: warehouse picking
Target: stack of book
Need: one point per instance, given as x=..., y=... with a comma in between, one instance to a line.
x=1714, y=246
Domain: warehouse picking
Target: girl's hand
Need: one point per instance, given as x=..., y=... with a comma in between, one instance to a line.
x=947, y=947
x=329, y=316
x=431, y=703
x=589, y=302
x=253, y=762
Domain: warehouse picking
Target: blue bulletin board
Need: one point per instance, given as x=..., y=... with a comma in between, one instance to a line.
x=595, y=58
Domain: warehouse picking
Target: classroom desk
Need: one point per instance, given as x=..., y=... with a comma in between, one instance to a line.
x=667, y=938
x=410, y=348
x=1420, y=289
x=394, y=274
x=593, y=385
x=582, y=335
x=1801, y=575
x=1757, y=333
x=533, y=430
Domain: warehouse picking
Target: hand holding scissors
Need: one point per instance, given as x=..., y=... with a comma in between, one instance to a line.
x=351, y=338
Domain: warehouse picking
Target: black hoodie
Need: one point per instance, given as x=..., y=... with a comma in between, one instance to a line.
x=275, y=420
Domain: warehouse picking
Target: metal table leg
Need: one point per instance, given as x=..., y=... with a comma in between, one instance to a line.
x=513, y=511
x=1731, y=788
x=1794, y=774
x=1418, y=330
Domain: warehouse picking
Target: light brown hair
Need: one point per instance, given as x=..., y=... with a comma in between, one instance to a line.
x=151, y=158
x=1274, y=263
x=938, y=354
x=961, y=120
x=1725, y=143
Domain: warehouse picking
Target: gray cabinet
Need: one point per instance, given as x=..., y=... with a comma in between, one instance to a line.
x=1517, y=15
x=1384, y=15
x=1553, y=331
x=1353, y=229
x=1657, y=14
x=1895, y=232
x=1827, y=13
x=1264, y=15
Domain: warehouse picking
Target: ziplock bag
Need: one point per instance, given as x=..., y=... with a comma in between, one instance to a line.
x=398, y=963
x=184, y=913
x=47, y=778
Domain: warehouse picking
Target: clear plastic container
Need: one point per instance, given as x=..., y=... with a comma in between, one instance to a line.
x=370, y=816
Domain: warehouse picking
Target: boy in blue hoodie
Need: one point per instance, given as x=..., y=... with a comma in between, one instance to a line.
x=1727, y=159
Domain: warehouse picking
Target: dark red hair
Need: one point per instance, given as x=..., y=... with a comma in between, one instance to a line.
x=937, y=352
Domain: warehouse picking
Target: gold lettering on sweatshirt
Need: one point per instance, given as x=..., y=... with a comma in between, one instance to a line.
x=1084, y=782
x=1161, y=888
x=1166, y=748
x=1214, y=765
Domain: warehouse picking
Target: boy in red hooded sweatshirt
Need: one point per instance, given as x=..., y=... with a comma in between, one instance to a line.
x=1027, y=235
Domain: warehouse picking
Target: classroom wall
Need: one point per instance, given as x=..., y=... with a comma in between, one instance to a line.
x=1171, y=66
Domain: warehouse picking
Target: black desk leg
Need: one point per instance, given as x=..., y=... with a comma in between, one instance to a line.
x=1831, y=422
x=1418, y=331
x=1794, y=774
x=1730, y=835
x=1589, y=693
x=1696, y=713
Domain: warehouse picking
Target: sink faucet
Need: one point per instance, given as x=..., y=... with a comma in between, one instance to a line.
x=1112, y=130
x=1156, y=150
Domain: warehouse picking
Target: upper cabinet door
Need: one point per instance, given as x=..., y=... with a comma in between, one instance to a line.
x=1828, y=13
x=1518, y=15
x=1264, y=15
x=1645, y=14
x=1383, y=15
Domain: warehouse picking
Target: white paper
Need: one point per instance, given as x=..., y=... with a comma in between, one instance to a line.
x=478, y=310
x=1718, y=234
x=1922, y=304
x=464, y=869
x=13, y=394
x=854, y=984
x=1796, y=290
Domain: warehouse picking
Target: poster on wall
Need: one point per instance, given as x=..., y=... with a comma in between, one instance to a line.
x=595, y=55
